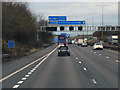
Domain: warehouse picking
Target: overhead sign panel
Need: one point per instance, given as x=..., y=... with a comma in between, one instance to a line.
x=53, y=22
x=56, y=18
x=71, y=22
x=63, y=33
x=67, y=34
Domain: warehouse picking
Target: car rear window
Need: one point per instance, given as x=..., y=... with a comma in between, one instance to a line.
x=63, y=48
x=98, y=44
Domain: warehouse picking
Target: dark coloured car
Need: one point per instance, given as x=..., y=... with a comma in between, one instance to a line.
x=63, y=50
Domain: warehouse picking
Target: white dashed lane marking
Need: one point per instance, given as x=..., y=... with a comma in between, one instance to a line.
x=94, y=52
x=20, y=82
x=94, y=81
x=24, y=78
x=107, y=57
x=80, y=62
x=76, y=58
x=117, y=61
x=85, y=69
x=16, y=86
x=100, y=54
x=27, y=75
x=22, y=68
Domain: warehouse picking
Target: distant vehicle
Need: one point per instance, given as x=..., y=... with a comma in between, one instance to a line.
x=62, y=39
x=63, y=50
x=73, y=41
x=84, y=44
x=97, y=46
x=91, y=43
x=69, y=41
x=80, y=41
x=60, y=44
x=101, y=42
x=85, y=39
x=76, y=42
x=113, y=39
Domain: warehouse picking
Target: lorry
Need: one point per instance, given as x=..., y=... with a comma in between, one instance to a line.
x=85, y=39
x=80, y=41
x=113, y=39
x=62, y=39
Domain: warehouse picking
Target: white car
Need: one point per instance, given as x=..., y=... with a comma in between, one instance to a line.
x=60, y=45
x=97, y=46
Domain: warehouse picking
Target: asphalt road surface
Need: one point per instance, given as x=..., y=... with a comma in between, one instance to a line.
x=85, y=68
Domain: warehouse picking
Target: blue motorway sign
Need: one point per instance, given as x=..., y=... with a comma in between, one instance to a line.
x=53, y=22
x=71, y=22
x=56, y=39
x=63, y=33
x=11, y=44
x=56, y=18
x=67, y=34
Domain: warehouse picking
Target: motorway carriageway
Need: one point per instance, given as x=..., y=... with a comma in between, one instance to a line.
x=85, y=68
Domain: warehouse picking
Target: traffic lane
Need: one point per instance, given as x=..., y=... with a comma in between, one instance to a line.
x=98, y=67
x=105, y=76
x=59, y=72
x=108, y=62
x=14, y=79
x=113, y=57
x=110, y=53
x=12, y=66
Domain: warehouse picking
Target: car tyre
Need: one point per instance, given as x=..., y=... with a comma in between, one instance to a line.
x=68, y=54
x=58, y=54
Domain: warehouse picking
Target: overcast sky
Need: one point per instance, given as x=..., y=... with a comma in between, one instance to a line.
x=78, y=11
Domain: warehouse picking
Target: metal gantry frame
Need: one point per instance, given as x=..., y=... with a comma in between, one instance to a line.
x=86, y=29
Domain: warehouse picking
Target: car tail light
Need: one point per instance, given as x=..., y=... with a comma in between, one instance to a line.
x=58, y=50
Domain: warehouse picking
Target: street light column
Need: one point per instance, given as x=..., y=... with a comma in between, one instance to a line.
x=102, y=21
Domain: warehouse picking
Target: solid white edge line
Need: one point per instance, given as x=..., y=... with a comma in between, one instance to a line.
x=15, y=86
x=26, y=66
x=34, y=68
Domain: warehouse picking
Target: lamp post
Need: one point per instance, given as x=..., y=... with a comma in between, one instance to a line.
x=102, y=6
